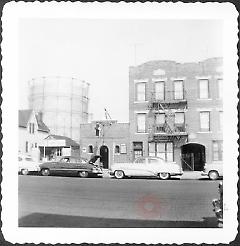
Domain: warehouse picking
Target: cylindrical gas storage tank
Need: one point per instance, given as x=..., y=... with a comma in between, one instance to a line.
x=63, y=102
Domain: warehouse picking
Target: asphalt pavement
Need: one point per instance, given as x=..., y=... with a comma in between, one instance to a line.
x=107, y=202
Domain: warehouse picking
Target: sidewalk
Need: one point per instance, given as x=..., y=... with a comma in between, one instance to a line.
x=194, y=175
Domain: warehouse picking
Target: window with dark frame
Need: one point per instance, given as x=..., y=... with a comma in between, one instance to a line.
x=117, y=149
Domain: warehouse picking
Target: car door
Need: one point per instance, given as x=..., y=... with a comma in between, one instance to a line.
x=62, y=166
x=154, y=166
x=138, y=168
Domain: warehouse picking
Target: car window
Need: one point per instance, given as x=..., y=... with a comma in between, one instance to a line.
x=19, y=159
x=140, y=160
x=65, y=159
x=28, y=159
x=153, y=161
x=82, y=161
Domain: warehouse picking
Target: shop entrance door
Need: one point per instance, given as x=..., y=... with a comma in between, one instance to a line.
x=104, y=156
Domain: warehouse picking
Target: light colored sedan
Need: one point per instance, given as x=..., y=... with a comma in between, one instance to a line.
x=26, y=164
x=146, y=167
x=213, y=170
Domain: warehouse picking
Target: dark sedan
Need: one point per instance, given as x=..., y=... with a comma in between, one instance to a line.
x=69, y=165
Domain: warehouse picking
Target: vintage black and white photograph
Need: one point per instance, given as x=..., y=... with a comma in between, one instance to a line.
x=120, y=122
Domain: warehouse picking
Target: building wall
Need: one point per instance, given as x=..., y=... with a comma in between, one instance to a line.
x=110, y=136
x=32, y=139
x=190, y=73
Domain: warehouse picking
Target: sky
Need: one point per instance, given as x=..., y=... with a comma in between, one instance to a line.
x=100, y=52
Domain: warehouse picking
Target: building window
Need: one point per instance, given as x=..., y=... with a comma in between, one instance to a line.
x=141, y=123
x=90, y=149
x=141, y=91
x=160, y=119
x=137, y=149
x=217, y=150
x=26, y=146
x=151, y=149
x=178, y=90
x=35, y=145
x=220, y=88
x=203, y=89
x=117, y=149
x=31, y=128
x=123, y=149
x=159, y=90
x=220, y=120
x=179, y=118
x=163, y=150
x=205, y=121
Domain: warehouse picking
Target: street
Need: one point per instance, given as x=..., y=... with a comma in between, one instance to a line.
x=106, y=202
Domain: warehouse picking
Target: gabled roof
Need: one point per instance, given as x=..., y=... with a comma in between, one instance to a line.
x=69, y=141
x=24, y=116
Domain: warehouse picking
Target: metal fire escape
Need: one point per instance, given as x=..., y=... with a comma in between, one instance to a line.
x=169, y=131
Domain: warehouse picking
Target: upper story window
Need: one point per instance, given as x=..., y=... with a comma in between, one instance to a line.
x=159, y=90
x=205, y=121
x=140, y=91
x=31, y=128
x=178, y=90
x=220, y=88
x=141, y=123
x=179, y=118
x=203, y=89
x=159, y=119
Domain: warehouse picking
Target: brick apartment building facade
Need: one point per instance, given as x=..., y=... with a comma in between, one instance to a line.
x=175, y=111
x=111, y=141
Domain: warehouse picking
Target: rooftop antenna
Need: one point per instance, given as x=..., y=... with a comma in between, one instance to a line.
x=107, y=115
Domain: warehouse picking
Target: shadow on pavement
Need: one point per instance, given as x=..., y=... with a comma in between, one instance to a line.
x=56, y=220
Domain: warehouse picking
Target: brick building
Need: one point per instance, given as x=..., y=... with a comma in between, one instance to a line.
x=175, y=111
x=106, y=138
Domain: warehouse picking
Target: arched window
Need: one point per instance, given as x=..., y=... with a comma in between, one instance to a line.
x=117, y=149
x=90, y=149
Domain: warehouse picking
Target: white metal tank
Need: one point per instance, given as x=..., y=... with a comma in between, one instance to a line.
x=63, y=102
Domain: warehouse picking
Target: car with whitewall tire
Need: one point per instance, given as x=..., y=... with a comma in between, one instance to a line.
x=27, y=165
x=146, y=167
x=213, y=170
x=70, y=165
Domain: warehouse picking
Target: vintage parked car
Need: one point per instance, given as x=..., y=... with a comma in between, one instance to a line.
x=146, y=167
x=213, y=170
x=70, y=165
x=26, y=165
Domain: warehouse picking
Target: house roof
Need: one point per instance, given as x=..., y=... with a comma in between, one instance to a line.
x=69, y=142
x=24, y=116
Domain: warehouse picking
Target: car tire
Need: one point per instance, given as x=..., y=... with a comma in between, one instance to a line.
x=24, y=172
x=45, y=172
x=83, y=174
x=213, y=175
x=164, y=176
x=119, y=174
